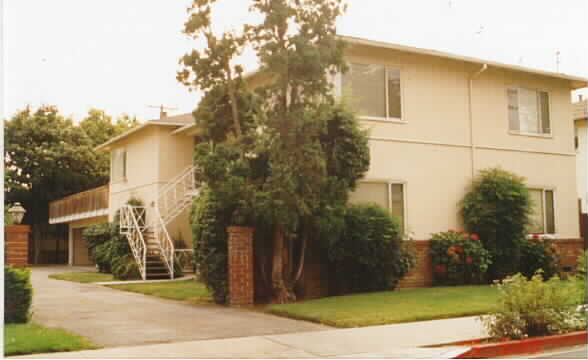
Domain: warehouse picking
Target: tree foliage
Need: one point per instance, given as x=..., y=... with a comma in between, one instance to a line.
x=284, y=153
x=47, y=157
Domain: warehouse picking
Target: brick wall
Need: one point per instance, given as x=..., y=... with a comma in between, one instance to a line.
x=569, y=250
x=422, y=274
x=17, y=245
x=240, y=262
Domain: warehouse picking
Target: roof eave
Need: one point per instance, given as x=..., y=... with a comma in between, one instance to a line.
x=576, y=82
x=107, y=145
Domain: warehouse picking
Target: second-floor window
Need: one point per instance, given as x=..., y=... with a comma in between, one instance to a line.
x=375, y=90
x=528, y=111
x=118, y=165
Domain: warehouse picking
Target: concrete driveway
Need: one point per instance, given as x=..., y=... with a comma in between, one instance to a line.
x=111, y=317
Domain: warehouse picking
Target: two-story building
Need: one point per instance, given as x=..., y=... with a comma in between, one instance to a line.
x=435, y=120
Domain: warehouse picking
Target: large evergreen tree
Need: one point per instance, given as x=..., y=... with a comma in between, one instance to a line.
x=285, y=153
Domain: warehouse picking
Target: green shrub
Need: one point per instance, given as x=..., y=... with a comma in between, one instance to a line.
x=534, y=308
x=497, y=208
x=97, y=239
x=18, y=295
x=209, y=223
x=367, y=256
x=458, y=258
x=537, y=253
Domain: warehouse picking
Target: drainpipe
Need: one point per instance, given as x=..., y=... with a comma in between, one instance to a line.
x=472, y=146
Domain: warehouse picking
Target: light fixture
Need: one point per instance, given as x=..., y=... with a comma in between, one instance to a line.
x=17, y=212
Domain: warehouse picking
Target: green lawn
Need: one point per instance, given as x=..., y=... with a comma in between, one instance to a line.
x=32, y=338
x=83, y=277
x=187, y=290
x=393, y=306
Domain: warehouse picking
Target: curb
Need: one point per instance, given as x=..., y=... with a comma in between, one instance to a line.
x=526, y=346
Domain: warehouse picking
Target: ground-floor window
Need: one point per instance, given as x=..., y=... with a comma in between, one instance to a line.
x=543, y=213
x=390, y=195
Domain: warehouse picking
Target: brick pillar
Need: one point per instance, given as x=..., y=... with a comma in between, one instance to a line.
x=17, y=245
x=241, y=286
x=422, y=274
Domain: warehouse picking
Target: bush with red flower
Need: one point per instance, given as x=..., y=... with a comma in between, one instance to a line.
x=458, y=258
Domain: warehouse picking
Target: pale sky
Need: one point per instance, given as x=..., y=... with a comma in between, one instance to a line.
x=122, y=55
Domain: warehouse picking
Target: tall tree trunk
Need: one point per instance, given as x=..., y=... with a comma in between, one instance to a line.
x=281, y=292
x=233, y=98
x=301, y=261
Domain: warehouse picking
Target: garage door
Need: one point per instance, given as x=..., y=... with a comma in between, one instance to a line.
x=80, y=251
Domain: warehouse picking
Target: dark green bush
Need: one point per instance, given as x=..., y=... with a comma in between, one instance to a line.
x=97, y=238
x=497, y=208
x=537, y=253
x=209, y=223
x=458, y=258
x=18, y=295
x=368, y=255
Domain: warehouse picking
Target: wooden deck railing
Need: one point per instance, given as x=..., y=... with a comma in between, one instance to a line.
x=81, y=205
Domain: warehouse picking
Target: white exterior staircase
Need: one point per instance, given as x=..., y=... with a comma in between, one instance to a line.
x=151, y=244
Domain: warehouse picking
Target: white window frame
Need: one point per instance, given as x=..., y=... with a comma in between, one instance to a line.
x=404, y=197
x=548, y=135
x=339, y=91
x=123, y=178
x=543, y=189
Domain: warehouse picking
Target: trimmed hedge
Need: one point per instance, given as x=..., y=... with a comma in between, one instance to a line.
x=368, y=255
x=18, y=295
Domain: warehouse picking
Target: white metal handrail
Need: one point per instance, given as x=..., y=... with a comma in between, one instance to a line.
x=165, y=243
x=177, y=195
x=132, y=224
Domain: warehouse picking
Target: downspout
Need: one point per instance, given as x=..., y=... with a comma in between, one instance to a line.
x=471, y=121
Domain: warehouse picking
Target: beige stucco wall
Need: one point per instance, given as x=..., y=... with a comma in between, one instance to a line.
x=176, y=153
x=154, y=157
x=431, y=149
x=582, y=162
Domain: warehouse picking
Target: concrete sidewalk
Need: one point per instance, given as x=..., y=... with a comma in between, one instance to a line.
x=387, y=341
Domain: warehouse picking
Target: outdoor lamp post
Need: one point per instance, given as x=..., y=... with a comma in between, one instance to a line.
x=17, y=212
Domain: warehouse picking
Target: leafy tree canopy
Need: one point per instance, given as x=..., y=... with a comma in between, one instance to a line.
x=47, y=157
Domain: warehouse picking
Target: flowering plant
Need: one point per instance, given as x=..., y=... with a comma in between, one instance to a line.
x=458, y=258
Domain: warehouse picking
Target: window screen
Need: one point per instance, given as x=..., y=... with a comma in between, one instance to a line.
x=394, y=98
x=536, y=217
x=369, y=89
x=397, y=206
x=119, y=164
x=549, y=212
x=371, y=192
